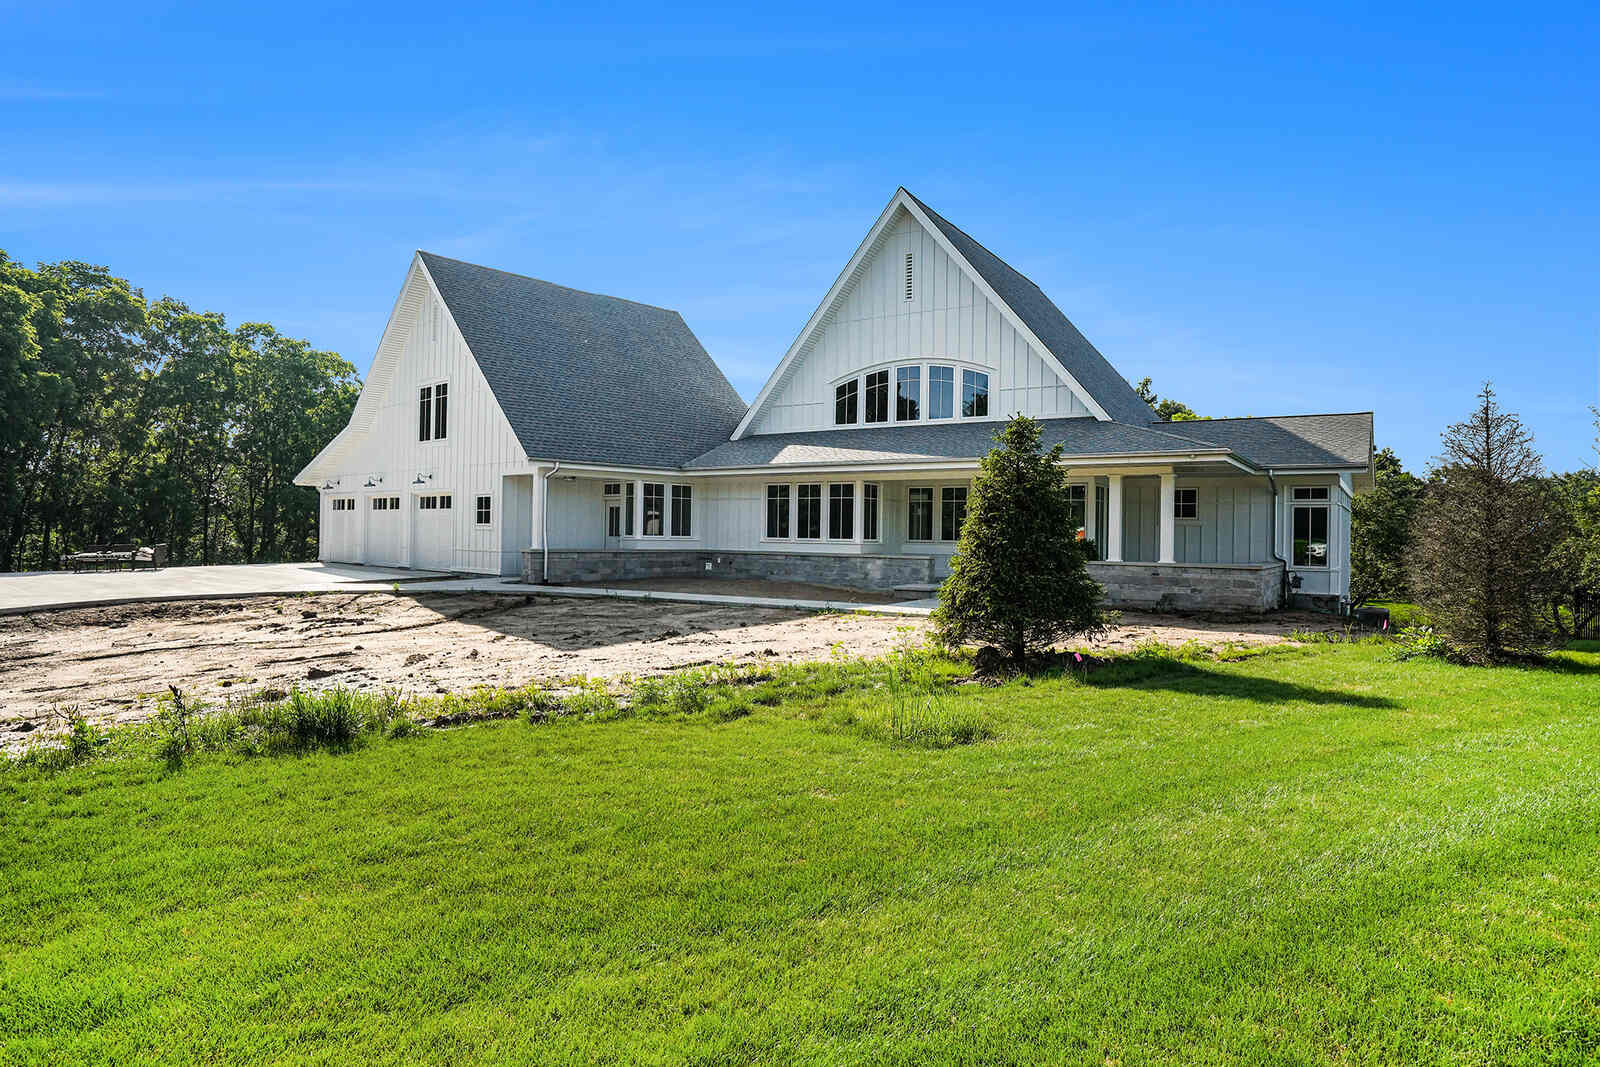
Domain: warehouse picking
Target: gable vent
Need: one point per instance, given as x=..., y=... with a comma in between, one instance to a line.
x=910, y=265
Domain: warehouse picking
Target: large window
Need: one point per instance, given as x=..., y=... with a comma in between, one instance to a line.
x=1311, y=526
x=655, y=499
x=841, y=511
x=919, y=518
x=433, y=403
x=846, y=401
x=1186, y=504
x=974, y=394
x=878, y=396
x=808, y=507
x=907, y=394
x=777, y=511
x=869, y=511
x=682, y=511
x=952, y=511
x=941, y=392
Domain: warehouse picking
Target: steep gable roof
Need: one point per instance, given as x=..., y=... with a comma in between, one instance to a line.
x=1070, y=348
x=584, y=377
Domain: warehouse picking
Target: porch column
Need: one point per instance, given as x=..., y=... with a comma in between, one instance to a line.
x=1169, y=525
x=858, y=511
x=638, y=508
x=1114, y=518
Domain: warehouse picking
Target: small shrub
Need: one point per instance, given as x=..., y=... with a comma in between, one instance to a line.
x=593, y=700
x=174, y=717
x=1420, y=642
x=688, y=696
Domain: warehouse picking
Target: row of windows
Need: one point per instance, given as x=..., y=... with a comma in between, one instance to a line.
x=679, y=517
x=806, y=511
x=908, y=398
x=433, y=412
x=433, y=502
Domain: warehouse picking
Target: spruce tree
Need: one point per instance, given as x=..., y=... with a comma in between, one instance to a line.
x=1481, y=537
x=1018, y=579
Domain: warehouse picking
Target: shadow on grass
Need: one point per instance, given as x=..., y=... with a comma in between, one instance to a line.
x=1200, y=680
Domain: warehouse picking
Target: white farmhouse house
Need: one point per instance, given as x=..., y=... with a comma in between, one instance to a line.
x=510, y=425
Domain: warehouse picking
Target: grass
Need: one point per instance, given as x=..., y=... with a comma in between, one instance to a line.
x=1402, y=613
x=1314, y=856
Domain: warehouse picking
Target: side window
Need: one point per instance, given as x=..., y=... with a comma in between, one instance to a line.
x=1185, y=504
x=778, y=511
x=878, y=396
x=1076, y=508
x=655, y=499
x=952, y=511
x=808, y=507
x=627, y=508
x=919, y=519
x=846, y=400
x=1310, y=519
x=908, y=394
x=841, y=511
x=425, y=414
x=941, y=392
x=440, y=406
x=974, y=394
x=485, y=511
x=682, y=511
x=869, y=511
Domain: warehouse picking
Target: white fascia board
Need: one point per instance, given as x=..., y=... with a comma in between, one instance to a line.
x=1154, y=459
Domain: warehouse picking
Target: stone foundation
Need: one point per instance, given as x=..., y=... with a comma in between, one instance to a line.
x=878, y=573
x=1245, y=587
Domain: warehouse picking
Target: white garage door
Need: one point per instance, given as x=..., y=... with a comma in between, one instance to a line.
x=386, y=531
x=433, y=526
x=341, y=531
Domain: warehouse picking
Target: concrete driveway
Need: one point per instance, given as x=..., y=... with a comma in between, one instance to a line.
x=59, y=589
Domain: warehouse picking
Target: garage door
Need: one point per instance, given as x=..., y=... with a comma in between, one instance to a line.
x=341, y=531
x=386, y=531
x=433, y=525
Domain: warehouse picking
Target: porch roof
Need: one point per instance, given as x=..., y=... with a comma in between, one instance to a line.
x=942, y=442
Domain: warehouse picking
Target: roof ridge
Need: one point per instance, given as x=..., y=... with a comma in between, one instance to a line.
x=998, y=259
x=544, y=281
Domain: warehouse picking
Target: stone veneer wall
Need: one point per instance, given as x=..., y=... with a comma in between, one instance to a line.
x=1249, y=587
x=821, y=568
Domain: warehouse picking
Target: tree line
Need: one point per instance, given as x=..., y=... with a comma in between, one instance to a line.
x=148, y=421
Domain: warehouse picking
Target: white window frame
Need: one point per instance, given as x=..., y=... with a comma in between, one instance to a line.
x=1325, y=502
x=1177, y=502
x=666, y=509
x=483, y=502
x=876, y=489
x=939, y=515
x=671, y=515
x=933, y=515
x=788, y=511
x=822, y=514
x=433, y=410
x=924, y=367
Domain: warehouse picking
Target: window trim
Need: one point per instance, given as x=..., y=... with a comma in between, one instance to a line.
x=672, y=510
x=933, y=515
x=1323, y=503
x=1178, y=500
x=822, y=525
x=966, y=496
x=959, y=370
x=785, y=512
x=483, y=502
x=433, y=411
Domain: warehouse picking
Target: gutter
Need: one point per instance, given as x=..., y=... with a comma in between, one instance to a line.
x=544, y=521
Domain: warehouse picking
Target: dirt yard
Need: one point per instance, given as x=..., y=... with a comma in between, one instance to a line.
x=110, y=662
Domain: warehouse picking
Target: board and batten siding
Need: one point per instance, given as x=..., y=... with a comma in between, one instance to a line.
x=948, y=319
x=471, y=461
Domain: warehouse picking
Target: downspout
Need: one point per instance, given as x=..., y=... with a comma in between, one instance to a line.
x=1277, y=527
x=544, y=519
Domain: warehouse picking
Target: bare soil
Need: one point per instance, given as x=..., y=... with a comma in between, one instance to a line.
x=110, y=662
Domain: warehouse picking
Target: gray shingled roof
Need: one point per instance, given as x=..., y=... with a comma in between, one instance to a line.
x=589, y=378
x=938, y=441
x=1070, y=348
x=1288, y=440
x=1285, y=441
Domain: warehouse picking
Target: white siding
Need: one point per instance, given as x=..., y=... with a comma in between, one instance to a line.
x=948, y=319
x=476, y=453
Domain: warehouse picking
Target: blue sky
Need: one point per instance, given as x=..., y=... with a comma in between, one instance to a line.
x=1266, y=211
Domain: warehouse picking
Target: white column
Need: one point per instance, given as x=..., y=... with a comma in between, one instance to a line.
x=1169, y=525
x=858, y=512
x=1114, y=518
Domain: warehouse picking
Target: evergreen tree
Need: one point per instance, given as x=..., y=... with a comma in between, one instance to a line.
x=1482, y=536
x=1018, y=580
x=1380, y=531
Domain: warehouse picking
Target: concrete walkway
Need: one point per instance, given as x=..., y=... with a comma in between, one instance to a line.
x=58, y=590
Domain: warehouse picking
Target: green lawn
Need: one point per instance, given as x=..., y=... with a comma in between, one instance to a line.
x=1314, y=857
